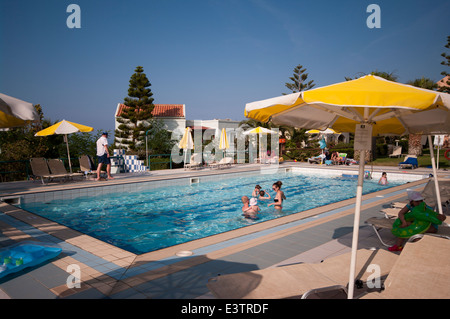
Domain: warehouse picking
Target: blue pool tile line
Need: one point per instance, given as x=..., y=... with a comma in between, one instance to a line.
x=118, y=272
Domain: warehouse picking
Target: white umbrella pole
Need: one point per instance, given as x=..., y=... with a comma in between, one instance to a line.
x=359, y=189
x=435, y=177
x=68, y=153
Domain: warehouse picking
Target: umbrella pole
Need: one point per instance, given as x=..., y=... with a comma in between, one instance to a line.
x=68, y=153
x=435, y=177
x=359, y=188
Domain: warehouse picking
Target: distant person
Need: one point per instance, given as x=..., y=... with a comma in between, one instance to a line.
x=446, y=143
x=103, y=156
x=383, y=179
x=279, y=197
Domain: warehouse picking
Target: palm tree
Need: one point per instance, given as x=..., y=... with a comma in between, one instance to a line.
x=251, y=123
x=424, y=83
x=415, y=140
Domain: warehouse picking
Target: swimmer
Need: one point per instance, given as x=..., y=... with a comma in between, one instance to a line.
x=249, y=210
x=263, y=195
x=256, y=191
x=383, y=179
x=279, y=197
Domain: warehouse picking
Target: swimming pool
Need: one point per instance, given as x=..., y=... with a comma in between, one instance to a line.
x=149, y=220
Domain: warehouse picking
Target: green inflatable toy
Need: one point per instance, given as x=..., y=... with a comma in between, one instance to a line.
x=421, y=216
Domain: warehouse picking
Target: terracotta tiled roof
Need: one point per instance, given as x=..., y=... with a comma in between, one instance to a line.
x=443, y=81
x=160, y=110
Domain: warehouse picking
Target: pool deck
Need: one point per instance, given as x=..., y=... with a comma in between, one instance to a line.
x=182, y=271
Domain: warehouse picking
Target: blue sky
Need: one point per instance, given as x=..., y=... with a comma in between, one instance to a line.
x=212, y=55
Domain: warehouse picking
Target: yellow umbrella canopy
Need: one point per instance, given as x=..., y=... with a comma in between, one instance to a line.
x=392, y=108
x=366, y=105
x=327, y=131
x=223, y=144
x=186, y=141
x=65, y=127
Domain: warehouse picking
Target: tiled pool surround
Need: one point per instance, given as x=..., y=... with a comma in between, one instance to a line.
x=101, y=259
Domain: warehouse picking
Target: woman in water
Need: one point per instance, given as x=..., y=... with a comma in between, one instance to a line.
x=279, y=197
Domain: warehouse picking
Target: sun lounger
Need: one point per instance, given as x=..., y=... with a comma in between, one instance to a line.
x=295, y=280
x=409, y=162
x=396, y=152
x=429, y=193
x=57, y=167
x=224, y=162
x=421, y=272
x=380, y=223
x=391, y=212
x=87, y=166
x=195, y=162
x=40, y=169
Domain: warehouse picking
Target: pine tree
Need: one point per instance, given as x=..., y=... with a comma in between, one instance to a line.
x=299, y=80
x=140, y=105
x=446, y=87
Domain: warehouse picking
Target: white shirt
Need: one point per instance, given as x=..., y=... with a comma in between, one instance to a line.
x=101, y=142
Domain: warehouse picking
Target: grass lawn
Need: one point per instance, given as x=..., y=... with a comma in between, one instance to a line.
x=424, y=161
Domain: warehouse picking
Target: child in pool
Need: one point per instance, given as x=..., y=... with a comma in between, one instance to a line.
x=250, y=208
x=256, y=191
x=383, y=179
x=263, y=195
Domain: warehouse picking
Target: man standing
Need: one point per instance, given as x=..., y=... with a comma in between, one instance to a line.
x=103, y=155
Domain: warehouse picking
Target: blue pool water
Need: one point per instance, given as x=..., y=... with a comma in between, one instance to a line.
x=149, y=220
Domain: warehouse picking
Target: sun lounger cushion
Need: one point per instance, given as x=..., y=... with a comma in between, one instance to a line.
x=294, y=280
x=421, y=271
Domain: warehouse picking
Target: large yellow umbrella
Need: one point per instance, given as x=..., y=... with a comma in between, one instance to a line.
x=260, y=131
x=64, y=127
x=15, y=112
x=368, y=106
x=223, y=143
x=186, y=141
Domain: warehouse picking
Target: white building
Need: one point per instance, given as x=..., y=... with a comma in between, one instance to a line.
x=172, y=115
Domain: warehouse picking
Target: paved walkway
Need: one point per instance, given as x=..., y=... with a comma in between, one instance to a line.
x=109, y=272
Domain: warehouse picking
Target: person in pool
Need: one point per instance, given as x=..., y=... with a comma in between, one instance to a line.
x=383, y=179
x=256, y=191
x=279, y=197
x=250, y=208
x=263, y=195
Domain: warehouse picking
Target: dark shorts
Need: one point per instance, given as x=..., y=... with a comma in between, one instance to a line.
x=104, y=159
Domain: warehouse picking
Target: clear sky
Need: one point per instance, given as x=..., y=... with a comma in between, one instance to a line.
x=212, y=55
